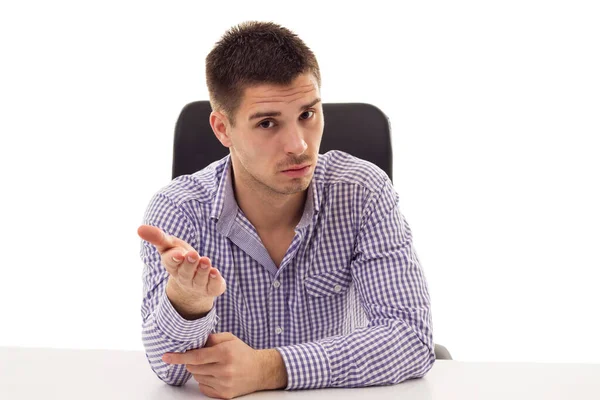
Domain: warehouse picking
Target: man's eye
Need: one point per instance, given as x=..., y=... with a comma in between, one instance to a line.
x=307, y=114
x=266, y=124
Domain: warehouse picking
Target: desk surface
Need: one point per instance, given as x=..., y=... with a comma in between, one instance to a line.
x=29, y=373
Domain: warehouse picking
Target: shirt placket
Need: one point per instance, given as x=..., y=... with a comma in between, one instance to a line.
x=278, y=310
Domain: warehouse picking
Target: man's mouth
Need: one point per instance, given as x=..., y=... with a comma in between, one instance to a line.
x=297, y=171
x=297, y=167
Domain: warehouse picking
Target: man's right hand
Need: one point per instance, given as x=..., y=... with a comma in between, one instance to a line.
x=193, y=282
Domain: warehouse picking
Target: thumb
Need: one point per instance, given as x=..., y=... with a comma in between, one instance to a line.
x=216, y=338
x=160, y=239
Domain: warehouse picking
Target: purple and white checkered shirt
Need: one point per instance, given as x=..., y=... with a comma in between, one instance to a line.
x=348, y=306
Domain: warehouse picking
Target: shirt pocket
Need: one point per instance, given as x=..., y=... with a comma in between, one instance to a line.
x=327, y=298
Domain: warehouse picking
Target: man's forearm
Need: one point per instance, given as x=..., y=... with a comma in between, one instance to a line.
x=166, y=330
x=274, y=372
x=389, y=353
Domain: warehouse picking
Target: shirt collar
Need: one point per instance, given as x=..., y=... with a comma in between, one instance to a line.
x=311, y=206
x=224, y=207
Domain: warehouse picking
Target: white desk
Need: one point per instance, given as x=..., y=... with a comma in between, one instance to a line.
x=27, y=373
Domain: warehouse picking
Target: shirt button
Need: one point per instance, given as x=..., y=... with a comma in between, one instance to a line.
x=337, y=288
x=278, y=330
x=276, y=284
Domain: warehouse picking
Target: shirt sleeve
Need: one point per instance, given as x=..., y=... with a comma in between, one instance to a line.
x=163, y=329
x=397, y=344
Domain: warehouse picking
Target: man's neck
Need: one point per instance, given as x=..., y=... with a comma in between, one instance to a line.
x=269, y=211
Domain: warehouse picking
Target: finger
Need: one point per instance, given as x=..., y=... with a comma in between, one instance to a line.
x=201, y=356
x=172, y=259
x=187, y=269
x=208, y=380
x=203, y=369
x=216, y=338
x=208, y=391
x=160, y=239
x=216, y=283
x=202, y=271
x=155, y=236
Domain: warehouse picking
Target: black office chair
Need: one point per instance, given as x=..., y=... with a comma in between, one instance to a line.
x=360, y=129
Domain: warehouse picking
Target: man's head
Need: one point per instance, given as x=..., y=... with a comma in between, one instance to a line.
x=254, y=53
x=264, y=85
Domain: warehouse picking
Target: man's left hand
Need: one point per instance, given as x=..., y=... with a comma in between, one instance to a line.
x=226, y=367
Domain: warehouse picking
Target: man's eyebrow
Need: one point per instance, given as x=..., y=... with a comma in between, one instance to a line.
x=312, y=103
x=278, y=113
x=264, y=114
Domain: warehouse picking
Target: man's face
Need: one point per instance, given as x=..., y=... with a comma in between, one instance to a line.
x=277, y=131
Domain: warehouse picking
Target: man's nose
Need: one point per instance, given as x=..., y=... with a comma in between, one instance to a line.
x=294, y=142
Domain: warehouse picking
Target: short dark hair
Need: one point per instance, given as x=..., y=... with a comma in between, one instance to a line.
x=253, y=53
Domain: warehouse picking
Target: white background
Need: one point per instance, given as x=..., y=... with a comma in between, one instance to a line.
x=495, y=115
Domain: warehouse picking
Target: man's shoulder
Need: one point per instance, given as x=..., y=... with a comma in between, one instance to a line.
x=337, y=167
x=201, y=186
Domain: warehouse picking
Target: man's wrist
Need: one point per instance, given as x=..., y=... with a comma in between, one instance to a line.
x=189, y=308
x=274, y=373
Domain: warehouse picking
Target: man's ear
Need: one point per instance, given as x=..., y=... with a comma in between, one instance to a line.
x=220, y=126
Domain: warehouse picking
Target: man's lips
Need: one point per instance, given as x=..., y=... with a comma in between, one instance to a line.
x=297, y=167
x=297, y=171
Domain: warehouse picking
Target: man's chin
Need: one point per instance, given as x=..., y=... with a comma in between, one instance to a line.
x=293, y=187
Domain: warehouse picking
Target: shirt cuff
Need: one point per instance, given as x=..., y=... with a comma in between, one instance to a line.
x=307, y=366
x=180, y=329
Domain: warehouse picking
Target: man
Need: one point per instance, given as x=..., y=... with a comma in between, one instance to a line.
x=277, y=267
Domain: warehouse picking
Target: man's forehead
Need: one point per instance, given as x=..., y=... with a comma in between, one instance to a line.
x=304, y=87
x=263, y=95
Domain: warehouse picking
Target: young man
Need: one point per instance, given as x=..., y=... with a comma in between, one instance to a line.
x=277, y=267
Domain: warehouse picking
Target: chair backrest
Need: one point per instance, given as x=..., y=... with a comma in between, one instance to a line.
x=360, y=129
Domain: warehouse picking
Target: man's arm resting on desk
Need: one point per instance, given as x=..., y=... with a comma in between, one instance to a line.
x=377, y=355
x=227, y=367
x=165, y=330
